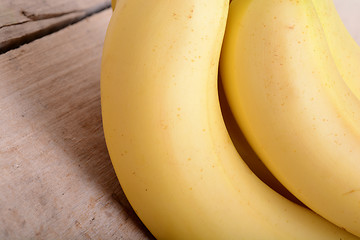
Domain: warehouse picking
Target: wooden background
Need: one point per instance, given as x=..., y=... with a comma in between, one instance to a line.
x=56, y=178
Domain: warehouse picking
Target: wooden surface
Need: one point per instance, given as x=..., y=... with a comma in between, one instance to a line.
x=56, y=179
x=22, y=21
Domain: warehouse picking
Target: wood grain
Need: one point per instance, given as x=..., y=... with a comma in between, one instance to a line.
x=56, y=179
x=22, y=21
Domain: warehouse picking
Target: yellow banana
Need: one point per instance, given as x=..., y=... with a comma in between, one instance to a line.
x=165, y=133
x=243, y=147
x=247, y=153
x=344, y=49
x=293, y=106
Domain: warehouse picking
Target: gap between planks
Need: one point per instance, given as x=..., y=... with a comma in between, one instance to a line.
x=15, y=34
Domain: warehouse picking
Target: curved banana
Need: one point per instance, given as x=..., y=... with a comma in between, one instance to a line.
x=293, y=106
x=243, y=147
x=166, y=136
x=344, y=49
x=247, y=153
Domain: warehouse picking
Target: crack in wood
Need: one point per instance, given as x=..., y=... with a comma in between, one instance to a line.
x=74, y=17
x=37, y=17
x=32, y=17
x=14, y=24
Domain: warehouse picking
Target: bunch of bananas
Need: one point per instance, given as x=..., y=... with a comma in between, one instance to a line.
x=290, y=72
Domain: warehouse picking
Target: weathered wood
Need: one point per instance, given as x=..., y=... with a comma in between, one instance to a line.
x=21, y=21
x=56, y=179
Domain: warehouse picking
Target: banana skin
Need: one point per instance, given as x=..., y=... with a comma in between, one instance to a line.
x=166, y=135
x=344, y=49
x=293, y=106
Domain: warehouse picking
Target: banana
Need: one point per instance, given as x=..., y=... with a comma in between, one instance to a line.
x=244, y=149
x=246, y=152
x=344, y=49
x=293, y=106
x=166, y=136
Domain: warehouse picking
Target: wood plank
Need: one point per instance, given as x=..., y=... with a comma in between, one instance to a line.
x=56, y=178
x=21, y=21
